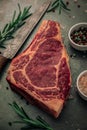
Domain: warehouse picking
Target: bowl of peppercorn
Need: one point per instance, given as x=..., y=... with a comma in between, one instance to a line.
x=78, y=36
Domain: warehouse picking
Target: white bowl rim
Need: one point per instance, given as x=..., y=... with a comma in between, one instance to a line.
x=83, y=72
x=75, y=25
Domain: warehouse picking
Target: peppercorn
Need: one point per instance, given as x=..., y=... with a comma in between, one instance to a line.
x=79, y=36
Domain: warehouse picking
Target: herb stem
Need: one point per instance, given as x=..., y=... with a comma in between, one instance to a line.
x=58, y=4
x=11, y=27
x=37, y=123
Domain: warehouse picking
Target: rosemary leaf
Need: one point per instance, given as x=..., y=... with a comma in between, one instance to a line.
x=53, y=7
x=38, y=123
x=25, y=113
x=59, y=7
x=41, y=120
x=5, y=28
x=13, y=19
x=17, y=110
x=64, y=6
x=16, y=22
x=19, y=7
x=54, y=2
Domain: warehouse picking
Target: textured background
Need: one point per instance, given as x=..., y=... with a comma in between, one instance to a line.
x=74, y=114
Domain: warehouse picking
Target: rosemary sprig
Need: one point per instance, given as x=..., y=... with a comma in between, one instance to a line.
x=14, y=24
x=58, y=4
x=38, y=123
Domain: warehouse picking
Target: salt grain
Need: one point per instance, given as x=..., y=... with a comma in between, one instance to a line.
x=62, y=26
x=85, y=11
x=73, y=17
x=75, y=1
x=84, y=56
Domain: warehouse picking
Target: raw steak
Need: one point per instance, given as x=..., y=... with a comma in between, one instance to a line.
x=41, y=73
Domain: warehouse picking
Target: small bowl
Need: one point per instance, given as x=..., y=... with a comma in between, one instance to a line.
x=82, y=84
x=72, y=43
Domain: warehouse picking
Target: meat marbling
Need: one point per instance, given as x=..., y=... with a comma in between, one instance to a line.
x=41, y=73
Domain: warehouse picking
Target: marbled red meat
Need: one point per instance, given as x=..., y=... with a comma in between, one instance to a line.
x=41, y=73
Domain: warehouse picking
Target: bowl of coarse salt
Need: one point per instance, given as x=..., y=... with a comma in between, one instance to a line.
x=82, y=84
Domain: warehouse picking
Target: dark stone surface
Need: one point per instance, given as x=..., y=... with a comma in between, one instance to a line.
x=74, y=114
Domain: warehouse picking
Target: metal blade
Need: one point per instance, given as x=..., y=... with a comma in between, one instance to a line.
x=25, y=31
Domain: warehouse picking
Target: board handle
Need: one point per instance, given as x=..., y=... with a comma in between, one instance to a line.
x=3, y=61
